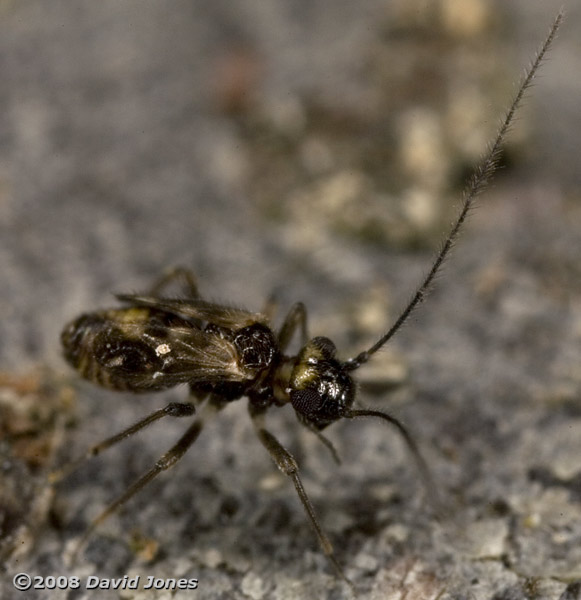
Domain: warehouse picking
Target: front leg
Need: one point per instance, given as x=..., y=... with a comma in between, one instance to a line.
x=288, y=465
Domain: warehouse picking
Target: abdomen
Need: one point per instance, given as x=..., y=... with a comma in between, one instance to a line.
x=107, y=348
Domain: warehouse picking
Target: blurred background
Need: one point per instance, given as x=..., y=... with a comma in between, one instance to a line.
x=317, y=150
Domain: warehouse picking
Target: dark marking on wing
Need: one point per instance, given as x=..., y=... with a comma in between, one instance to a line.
x=136, y=349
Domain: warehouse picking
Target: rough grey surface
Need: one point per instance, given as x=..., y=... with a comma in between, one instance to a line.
x=116, y=163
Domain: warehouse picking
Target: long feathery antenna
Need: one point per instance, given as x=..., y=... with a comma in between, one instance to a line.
x=475, y=186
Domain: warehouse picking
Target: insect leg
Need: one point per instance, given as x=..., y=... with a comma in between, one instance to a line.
x=288, y=465
x=173, y=409
x=270, y=307
x=186, y=278
x=168, y=460
x=296, y=317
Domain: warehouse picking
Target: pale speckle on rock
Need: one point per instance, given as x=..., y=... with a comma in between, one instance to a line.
x=487, y=538
x=253, y=586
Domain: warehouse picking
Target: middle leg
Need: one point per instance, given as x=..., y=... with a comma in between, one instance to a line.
x=168, y=460
x=173, y=409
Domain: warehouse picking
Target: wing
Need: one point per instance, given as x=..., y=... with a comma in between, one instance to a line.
x=136, y=349
x=197, y=309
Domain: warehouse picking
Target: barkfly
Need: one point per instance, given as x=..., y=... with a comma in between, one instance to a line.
x=223, y=354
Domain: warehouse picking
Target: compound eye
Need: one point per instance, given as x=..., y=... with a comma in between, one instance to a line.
x=306, y=402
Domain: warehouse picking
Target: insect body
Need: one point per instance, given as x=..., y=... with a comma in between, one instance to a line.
x=222, y=353
x=228, y=353
x=225, y=353
x=149, y=348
